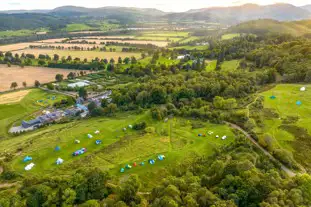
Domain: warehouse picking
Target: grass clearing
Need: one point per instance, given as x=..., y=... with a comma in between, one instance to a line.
x=211, y=65
x=292, y=136
x=229, y=36
x=189, y=39
x=175, y=139
x=230, y=65
x=77, y=27
x=189, y=47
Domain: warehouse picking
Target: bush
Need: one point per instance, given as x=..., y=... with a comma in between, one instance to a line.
x=140, y=126
x=150, y=130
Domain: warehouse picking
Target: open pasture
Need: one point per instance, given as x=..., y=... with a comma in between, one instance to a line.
x=165, y=33
x=80, y=54
x=27, y=74
x=175, y=139
x=229, y=36
x=293, y=127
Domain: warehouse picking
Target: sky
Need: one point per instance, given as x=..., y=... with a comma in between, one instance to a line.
x=165, y=5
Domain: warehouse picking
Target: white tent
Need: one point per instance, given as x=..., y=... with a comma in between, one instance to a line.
x=224, y=137
x=29, y=167
x=97, y=132
x=89, y=136
x=303, y=89
x=217, y=136
x=77, y=141
x=130, y=126
x=59, y=161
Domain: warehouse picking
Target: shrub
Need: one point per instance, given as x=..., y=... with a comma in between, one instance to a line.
x=140, y=126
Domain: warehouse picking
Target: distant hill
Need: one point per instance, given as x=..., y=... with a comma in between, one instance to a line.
x=265, y=26
x=238, y=14
x=30, y=21
x=122, y=14
x=307, y=7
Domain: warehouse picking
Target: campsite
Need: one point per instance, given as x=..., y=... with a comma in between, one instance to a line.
x=172, y=105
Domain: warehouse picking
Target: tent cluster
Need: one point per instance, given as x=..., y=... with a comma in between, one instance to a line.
x=210, y=133
x=150, y=161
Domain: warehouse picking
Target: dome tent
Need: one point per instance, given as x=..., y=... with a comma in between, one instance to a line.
x=298, y=103
x=27, y=158
x=303, y=88
x=59, y=161
x=57, y=148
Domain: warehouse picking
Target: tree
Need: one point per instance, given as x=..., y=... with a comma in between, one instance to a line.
x=111, y=109
x=14, y=85
x=92, y=106
x=104, y=103
x=56, y=57
x=133, y=60
x=24, y=84
x=128, y=191
x=126, y=60
x=83, y=93
x=69, y=196
x=112, y=61
x=37, y=83
x=59, y=77
x=50, y=86
x=120, y=60
x=218, y=102
x=71, y=75
x=90, y=203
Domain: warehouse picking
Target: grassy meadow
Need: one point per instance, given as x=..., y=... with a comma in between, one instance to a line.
x=229, y=36
x=292, y=129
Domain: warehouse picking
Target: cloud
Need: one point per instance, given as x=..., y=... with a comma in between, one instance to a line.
x=14, y=3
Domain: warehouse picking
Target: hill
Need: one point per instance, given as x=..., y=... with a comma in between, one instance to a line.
x=246, y=12
x=122, y=14
x=265, y=26
x=307, y=7
x=30, y=21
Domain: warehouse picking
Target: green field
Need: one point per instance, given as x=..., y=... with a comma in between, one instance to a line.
x=77, y=27
x=289, y=135
x=211, y=65
x=230, y=65
x=229, y=36
x=17, y=33
x=175, y=139
x=159, y=38
x=189, y=39
x=11, y=113
x=189, y=47
x=165, y=33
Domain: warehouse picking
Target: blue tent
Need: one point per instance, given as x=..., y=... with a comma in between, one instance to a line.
x=98, y=142
x=27, y=158
x=142, y=163
x=161, y=157
x=122, y=170
x=200, y=135
x=57, y=148
x=272, y=97
x=298, y=103
x=151, y=161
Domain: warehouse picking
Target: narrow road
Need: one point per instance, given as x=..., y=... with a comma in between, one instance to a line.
x=289, y=172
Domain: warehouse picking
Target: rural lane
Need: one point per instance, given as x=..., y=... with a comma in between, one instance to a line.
x=289, y=172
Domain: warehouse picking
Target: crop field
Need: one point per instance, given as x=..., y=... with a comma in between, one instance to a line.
x=159, y=38
x=80, y=54
x=175, y=139
x=292, y=128
x=25, y=103
x=17, y=46
x=13, y=97
x=51, y=40
x=157, y=43
x=189, y=39
x=27, y=74
x=229, y=36
x=110, y=37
